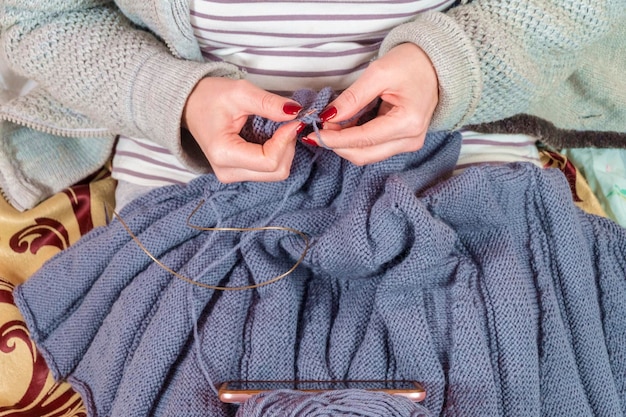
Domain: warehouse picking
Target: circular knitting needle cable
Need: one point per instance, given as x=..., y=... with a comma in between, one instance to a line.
x=304, y=237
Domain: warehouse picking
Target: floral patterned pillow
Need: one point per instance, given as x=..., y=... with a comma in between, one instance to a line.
x=26, y=386
x=27, y=240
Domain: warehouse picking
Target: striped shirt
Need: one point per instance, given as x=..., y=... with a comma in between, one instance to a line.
x=283, y=45
x=287, y=45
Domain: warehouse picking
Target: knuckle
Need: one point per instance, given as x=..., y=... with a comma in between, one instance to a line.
x=282, y=173
x=356, y=157
x=415, y=145
x=359, y=160
x=218, y=156
x=365, y=142
x=223, y=177
x=418, y=143
x=379, y=65
x=418, y=125
x=272, y=165
x=350, y=97
x=239, y=87
x=268, y=102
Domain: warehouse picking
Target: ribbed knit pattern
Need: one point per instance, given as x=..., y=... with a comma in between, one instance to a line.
x=490, y=287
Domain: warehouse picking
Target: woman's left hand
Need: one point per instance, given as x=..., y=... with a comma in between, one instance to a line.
x=407, y=84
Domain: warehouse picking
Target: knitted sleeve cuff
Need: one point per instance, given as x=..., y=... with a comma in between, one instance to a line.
x=455, y=61
x=160, y=91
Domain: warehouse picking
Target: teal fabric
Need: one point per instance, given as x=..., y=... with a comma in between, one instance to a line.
x=605, y=172
x=26, y=150
x=490, y=287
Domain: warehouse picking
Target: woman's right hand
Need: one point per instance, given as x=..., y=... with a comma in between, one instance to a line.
x=216, y=111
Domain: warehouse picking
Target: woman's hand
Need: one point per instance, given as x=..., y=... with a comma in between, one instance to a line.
x=407, y=84
x=215, y=113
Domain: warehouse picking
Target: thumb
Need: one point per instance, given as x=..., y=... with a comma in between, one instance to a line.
x=281, y=146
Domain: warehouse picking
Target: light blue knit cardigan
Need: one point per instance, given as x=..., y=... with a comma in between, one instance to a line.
x=490, y=287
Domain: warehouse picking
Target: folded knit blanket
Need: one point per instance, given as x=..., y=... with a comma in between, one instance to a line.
x=490, y=287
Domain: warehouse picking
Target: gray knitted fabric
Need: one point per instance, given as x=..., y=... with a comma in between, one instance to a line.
x=491, y=288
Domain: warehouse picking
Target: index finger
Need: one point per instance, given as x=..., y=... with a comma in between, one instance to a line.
x=256, y=101
x=379, y=130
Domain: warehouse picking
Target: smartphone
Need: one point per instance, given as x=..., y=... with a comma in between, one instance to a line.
x=240, y=391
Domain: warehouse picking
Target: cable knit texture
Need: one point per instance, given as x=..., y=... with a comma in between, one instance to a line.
x=491, y=288
x=559, y=60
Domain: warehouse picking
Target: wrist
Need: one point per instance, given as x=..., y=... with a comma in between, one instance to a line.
x=160, y=97
x=454, y=60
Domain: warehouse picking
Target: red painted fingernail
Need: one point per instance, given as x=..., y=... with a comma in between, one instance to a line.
x=328, y=114
x=292, y=108
x=309, y=141
x=300, y=128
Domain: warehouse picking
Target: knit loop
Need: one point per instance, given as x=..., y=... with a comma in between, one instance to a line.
x=336, y=403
